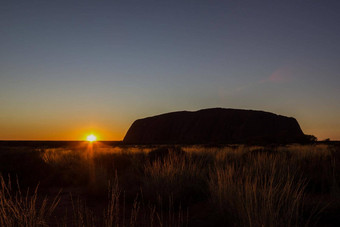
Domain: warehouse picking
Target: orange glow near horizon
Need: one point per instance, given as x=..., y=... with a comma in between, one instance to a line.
x=91, y=138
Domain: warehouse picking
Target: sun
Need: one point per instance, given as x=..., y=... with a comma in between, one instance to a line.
x=91, y=138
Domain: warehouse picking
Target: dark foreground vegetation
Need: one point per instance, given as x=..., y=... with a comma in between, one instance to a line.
x=83, y=184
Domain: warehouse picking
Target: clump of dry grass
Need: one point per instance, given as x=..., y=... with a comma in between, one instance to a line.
x=317, y=163
x=308, y=151
x=17, y=209
x=176, y=175
x=118, y=214
x=112, y=213
x=261, y=192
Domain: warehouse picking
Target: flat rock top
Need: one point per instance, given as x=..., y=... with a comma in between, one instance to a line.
x=215, y=125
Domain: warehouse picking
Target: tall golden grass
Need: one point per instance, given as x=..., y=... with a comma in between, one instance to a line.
x=18, y=209
x=260, y=193
x=177, y=176
x=239, y=185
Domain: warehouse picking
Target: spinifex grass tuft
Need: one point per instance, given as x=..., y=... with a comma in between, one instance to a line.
x=260, y=193
x=17, y=209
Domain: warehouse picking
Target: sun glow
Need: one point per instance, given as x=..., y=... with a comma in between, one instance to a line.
x=91, y=138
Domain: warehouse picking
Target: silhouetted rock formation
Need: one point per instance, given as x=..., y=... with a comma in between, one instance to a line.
x=215, y=126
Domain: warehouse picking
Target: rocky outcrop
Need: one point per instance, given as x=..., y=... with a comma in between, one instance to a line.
x=215, y=126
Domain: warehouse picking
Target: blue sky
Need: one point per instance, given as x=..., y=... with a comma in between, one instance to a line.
x=68, y=68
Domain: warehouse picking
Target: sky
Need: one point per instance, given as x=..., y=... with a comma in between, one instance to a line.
x=70, y=68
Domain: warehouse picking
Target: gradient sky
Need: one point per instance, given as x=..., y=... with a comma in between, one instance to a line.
x=68, y=68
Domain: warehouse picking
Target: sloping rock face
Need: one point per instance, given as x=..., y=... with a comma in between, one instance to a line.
x=215, y=126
